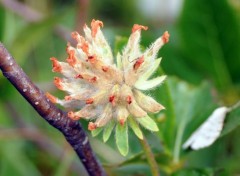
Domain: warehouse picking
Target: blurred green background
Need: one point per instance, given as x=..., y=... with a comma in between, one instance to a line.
x=202, y=61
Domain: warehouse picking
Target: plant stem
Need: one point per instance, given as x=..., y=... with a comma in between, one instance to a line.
x=150, y=157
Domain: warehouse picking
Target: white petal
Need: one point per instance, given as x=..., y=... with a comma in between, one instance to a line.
x=70, y=104
x=102, y=47
x=136, y=110
x=86, y=112
x=209, y=131
x=67, y=70
x=151, y=69
x=151, y=53
x=131, y=51
x=121, y=113
x=87, y=32
x=106, y=115
x=145, y=85
x=147, y=103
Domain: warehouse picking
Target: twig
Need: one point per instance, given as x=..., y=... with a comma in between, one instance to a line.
x=72, y=130
x=26, y=12
x=150, y=157
x=82, y=13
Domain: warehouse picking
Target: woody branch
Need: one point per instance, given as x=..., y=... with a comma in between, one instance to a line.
x=72, y=130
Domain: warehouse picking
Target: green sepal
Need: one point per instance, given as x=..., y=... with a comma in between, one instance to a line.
x=135, y=127
x=148, y=123
x=108, y=130
x=96, y=131
x=121, y=135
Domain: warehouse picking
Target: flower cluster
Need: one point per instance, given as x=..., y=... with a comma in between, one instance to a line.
x=102, y=89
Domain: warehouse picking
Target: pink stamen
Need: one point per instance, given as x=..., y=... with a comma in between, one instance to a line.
x=137, y=27
x=58, y=83
x=51, y=97
x=89, y=101
x=96, y=24
x=129, y=99
x=105, y=68
x=92, y=126
x=55, y=64
x=138, y=63
x=165, y=37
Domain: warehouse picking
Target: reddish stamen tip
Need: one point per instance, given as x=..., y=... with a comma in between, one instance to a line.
x=75, y=35
x=105, y=68
x=85, y=47
x=121, y=121
x=79, y=76
x=72, y=116
x=92, y=126
x=58, y=83
x=93, y=79
x=96, y=24
x=51, y=97
x=89, y=101
x=68, y=98
x=55, y=64
x=72, y=60
x=138, y=63
x=165, y=37
x=92, y=59
x=112, y=99
x=129, y=99
x=137, y=27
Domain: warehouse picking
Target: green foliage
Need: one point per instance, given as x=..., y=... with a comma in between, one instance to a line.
x=209, y=32
x=194, y=172
x=232, y=122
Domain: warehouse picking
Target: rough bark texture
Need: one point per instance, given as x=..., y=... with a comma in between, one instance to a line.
x=72, y=130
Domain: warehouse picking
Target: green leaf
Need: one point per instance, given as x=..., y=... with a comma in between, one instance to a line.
x=194, y=172
x=108, y=130
x=209, y=40
x=121, y=136
x=164, y=95
x=186, y=108
x=232, y=122
x=148, y=123
x=132, y=123
x=96, y=132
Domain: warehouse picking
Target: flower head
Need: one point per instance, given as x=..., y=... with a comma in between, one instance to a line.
x=101, y=89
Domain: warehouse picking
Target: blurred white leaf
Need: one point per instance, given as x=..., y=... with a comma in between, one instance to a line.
x=209, y=131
